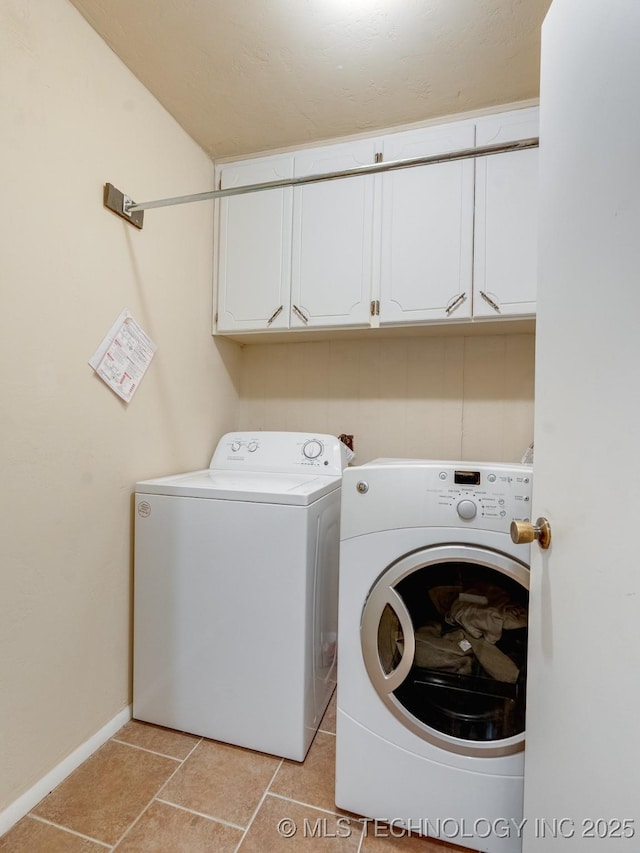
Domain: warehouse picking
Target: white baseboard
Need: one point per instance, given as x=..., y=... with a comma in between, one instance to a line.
x=23, y=805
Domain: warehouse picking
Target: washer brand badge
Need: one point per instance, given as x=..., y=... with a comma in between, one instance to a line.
x=144, y=509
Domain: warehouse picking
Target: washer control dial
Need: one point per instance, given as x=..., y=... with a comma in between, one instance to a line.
x=235, y=446
x=467, y=509
x=252, y=446
x=312, y=449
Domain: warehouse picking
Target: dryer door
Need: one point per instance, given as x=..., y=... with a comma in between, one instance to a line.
x=444, y=641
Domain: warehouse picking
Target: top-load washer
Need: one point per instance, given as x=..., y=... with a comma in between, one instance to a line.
x=433, y=605
x=235, y=598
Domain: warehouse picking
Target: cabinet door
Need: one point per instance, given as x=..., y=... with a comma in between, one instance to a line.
x=506, y=233
x=332, y=239
x=427, y=228
x=254, y=251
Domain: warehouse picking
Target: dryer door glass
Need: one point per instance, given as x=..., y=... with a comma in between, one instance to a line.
x=450, y=650
x=390, y=640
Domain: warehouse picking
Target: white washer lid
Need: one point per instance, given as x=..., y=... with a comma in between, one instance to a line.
x=252, y=486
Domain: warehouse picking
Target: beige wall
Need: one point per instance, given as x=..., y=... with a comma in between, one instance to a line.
x=73, y=117
x=449, y=397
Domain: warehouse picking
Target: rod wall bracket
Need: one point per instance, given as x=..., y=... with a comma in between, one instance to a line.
x=119, y=203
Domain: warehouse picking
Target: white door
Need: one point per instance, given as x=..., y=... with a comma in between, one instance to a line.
x=254, y=256
x=333, y=239
x=582, y=757
x=427, y=228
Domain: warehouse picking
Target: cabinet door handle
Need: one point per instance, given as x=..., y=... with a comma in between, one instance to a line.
x=490, y=301
x=274, y=315
x=300, y=314
x=456, y=303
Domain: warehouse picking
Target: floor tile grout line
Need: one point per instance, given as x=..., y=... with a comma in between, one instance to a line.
x=186, y=758
x=355, y=819
x=69, y=830
x=134, y=822
x=199, y=814
x=154, y=797
x=145, y=749
x=259, y=806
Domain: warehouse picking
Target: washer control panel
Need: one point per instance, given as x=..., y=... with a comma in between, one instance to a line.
x=280, y=452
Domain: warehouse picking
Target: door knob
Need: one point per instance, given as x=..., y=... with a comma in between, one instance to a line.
x=525, y=531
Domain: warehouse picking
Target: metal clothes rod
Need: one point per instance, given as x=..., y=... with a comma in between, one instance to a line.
x=374, y=168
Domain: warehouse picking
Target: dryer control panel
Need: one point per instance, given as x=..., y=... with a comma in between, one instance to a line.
x=396, y=493
x=492, y=497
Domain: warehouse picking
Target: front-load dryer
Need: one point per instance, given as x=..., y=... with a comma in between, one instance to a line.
x=433, y=603
x=235, y=592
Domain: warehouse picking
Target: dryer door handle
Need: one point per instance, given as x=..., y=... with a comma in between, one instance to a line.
x=383, y=681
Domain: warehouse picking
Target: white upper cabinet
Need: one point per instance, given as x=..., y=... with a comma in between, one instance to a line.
x=446, y=241
x=332, y=239
x=505, y=269
x=426, y=246
x=254, y=247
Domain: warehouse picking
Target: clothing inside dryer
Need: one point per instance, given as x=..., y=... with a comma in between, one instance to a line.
x=469, y=669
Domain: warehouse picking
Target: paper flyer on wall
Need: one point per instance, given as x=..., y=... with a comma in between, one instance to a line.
x=123, y=357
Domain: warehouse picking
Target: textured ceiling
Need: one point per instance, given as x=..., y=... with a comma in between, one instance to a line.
x=243, y=76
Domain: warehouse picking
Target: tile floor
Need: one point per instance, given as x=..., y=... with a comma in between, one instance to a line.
x=153, y=790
